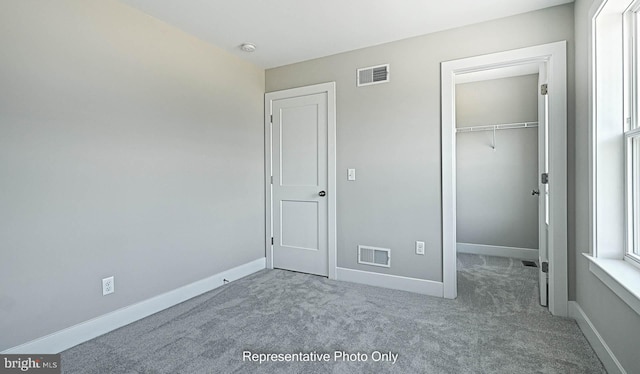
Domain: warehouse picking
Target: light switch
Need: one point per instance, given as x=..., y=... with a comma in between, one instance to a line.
x=351, y=174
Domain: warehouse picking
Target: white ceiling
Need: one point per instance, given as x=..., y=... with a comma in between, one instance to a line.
x=289, y=31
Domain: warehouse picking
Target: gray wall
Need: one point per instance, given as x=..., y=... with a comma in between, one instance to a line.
x=127, y=148
x=494, y=202
x=616, y=322
x=391, y=133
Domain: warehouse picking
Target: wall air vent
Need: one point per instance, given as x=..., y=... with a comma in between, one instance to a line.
x=374, y=256
x=373, y=75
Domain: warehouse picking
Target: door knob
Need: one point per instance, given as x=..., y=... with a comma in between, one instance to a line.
x=322, y=193
x=535, y=192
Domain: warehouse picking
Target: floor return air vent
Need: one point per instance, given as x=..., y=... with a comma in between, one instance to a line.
x=374, y=256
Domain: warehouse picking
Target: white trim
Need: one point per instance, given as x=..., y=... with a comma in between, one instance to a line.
x=332, y=212
x=84, y=331
x=594, y=10
x=621, y=277
x=268, y=176
x=609, y=360
x=554, y=55
x=330, y=89
x=496, y=250
x=449, y=262
x=421, y=286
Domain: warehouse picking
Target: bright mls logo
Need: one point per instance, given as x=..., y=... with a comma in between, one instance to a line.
x=49, y=364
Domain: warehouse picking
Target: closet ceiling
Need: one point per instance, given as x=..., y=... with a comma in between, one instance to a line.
x=503, y=72
x=289, y=31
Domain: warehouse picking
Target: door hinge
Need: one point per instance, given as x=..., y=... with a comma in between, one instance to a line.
x=545, y=267
x=271, y=118
x=544, y=178
x=272, y=179
x=272, y=240
x=543, y=89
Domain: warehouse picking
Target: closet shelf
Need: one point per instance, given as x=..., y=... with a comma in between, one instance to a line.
x=502, y=126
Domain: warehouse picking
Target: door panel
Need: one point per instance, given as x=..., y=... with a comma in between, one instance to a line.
x=299, y=146
x=299, y=134
x=543, y=197
x=299, y=226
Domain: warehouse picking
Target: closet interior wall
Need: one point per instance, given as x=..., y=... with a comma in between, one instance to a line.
x=495, y=206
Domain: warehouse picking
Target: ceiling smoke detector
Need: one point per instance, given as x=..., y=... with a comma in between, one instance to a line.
x=248, y=47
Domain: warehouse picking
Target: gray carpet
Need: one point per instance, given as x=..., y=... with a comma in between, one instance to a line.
x=495, y=326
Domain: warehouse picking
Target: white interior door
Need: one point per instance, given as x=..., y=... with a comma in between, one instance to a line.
x=543, y=187
x=300, y=185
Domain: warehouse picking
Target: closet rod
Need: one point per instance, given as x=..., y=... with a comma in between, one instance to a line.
x=502, y=126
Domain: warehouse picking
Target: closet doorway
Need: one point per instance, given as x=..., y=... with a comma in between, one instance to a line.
x=549, y=62
x=501, y=150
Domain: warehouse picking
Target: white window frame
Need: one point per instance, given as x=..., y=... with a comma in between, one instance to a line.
x=631, y=18
x=612, y=108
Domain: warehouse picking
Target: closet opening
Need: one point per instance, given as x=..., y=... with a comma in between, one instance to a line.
x=501, y=150
x=551, y=62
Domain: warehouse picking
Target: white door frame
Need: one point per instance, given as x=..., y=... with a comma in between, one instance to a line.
x=330, y=89
x=554, y=55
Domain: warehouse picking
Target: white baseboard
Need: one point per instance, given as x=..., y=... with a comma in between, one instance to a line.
x=609, y=360
x=425, y=287
x=82, y=332
x=496, y=250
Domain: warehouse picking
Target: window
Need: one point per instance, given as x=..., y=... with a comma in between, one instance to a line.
x=614, y=147
x=632, y=132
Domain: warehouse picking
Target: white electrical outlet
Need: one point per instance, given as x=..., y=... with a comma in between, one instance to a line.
x=108, y=286
x=419, y=248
